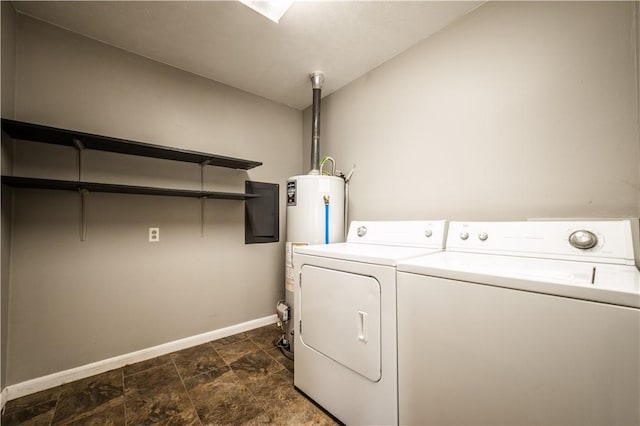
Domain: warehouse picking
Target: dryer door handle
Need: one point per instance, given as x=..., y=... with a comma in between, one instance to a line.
x=362, y=326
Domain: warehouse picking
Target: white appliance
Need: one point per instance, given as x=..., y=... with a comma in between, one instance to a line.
x=522, y=323
x=345, y=316
x=315, y=215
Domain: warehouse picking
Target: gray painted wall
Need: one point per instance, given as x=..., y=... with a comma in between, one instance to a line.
x=518, y=110
x=491, y=118
x=76, y=302
x=637, y=52
x=8, y=16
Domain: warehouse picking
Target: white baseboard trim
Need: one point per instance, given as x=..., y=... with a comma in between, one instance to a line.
x=56, y=379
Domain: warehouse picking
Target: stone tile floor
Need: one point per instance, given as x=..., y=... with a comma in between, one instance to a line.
x=241, y=379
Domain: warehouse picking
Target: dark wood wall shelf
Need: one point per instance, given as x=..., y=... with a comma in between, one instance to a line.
x=53, y=135
x=66, y=185
x=81, y=142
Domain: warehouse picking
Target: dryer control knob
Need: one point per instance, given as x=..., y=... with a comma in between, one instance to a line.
x=583, y=239
x=483, y=236
x=464, y=235
x=362, y=231
x=428, y=233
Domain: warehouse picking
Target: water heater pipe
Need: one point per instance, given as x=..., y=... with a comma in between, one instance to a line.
x=347, y=179
x=317, y=79
x=326, y=219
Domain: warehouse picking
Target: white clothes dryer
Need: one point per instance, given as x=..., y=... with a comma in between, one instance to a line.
x=345, y=316
x=522, y=323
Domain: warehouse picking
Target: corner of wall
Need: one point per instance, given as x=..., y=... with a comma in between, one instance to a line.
x=5, y=237
x=8, y=61
x=7, y=109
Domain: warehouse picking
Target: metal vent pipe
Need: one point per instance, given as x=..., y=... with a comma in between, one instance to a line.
x=317, y=79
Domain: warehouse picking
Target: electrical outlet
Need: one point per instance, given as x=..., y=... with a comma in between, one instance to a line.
x=154, y=235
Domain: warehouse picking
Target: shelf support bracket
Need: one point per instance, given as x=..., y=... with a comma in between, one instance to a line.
x=202, y=199
x=202, y=166
x=83, y=213
x=80, y=147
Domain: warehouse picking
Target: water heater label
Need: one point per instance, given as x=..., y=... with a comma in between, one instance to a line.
x=289, y=268
x=291, y=192
x=289, y=252
x=291, y=280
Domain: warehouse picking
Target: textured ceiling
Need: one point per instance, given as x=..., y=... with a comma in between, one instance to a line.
x=227, y=42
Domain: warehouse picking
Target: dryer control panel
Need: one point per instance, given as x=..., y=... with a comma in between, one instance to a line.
x=409, y=233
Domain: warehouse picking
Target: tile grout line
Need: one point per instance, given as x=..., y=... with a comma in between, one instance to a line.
x=228, y=364
x=124, y=396
x=270, y=356
x=253, y=395
x=221, y=357
x=78, y=417
x=262, y=405
x=284, y=368
x=56, y=407
x=146, y=369
x=238, y=378
x=274, y=358
x=263, y=350
x=185, y=388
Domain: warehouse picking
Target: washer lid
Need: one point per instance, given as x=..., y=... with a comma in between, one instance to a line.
x=366, y=253
x=599, y=282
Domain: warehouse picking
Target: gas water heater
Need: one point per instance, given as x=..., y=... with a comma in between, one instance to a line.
x=315, y=211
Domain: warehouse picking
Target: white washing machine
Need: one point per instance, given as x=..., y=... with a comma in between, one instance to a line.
x=345, y=316
x=522, y=323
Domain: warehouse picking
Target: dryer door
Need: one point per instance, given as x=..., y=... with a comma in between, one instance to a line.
x=340, y=318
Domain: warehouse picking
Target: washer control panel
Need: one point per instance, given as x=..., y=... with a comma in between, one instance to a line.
x=482, y=236
x=608, y=240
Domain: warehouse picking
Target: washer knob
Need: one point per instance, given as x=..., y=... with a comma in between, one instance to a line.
x=428, y=233
x=464, y=235
x=583, y=239
x=483, y=236
x=362, y=231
